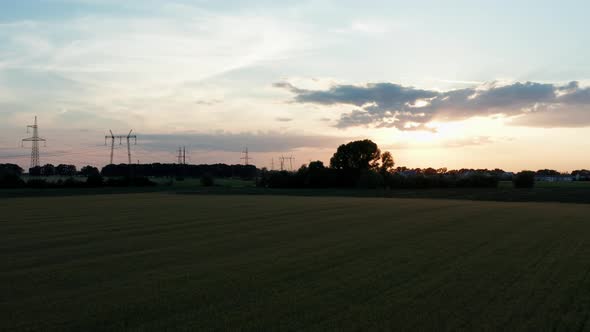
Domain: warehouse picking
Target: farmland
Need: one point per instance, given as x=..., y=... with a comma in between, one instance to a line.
x=155, y=261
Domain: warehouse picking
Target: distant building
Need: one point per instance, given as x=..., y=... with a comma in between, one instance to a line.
x=555, y=178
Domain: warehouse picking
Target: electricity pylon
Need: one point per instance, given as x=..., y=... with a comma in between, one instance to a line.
x=283, y=159
x=181, y=155
x=35, y=146
x=246, y=158
x=128, y=137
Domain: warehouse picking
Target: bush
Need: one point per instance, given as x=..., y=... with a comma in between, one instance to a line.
x=72, y=183
x=142, y=181
x=139, y=181
x=479, y=180
x=370, y=180
x=94, y=180
x=38, y=183
x=207, y=180
x=11, y=181
x=524, y=179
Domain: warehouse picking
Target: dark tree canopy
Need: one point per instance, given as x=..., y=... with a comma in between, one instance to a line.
x=48, y=170
x=357, y=155
x=387, y=162
x=524, y=179
x=65, y=170
x=89, y=171
x=316, y=165
x=10, y=169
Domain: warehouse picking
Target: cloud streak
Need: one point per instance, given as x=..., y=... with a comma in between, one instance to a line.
x=409, y=108
x=235, y=142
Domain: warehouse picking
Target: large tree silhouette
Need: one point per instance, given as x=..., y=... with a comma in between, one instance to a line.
x=356, y=155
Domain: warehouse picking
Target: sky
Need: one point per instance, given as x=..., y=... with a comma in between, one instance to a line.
x=474, y=84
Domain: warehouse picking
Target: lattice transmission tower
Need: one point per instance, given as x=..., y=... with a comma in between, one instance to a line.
x=246, y=157
x=128, y=137
x=35, y=139
x=181, y=155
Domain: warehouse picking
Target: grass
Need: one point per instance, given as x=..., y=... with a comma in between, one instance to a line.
x=160, y=261
x=564, y=192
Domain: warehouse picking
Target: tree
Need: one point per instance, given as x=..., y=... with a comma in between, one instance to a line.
x=11, y=169
x=387, y=162
x=313, y=165
x=10, y=176
x=48, y=170
x=547, y=172
x=357, y=156
x=65, y=170
x=35, y=171
x=524, y=179
x=89, y=171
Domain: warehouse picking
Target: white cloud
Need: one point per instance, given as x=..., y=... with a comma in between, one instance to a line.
x=136, y=68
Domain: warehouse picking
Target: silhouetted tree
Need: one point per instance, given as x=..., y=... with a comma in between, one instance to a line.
x=316, y=165
x=48, y=170
x=35, y=171
x=65, y=170
x=10, y=169
x=547, y=172
x=387, y=162
x=357, y=156
x=174, y=170
x=10, y=176
x=581, y=174
x=89, y=171
x=524, y=179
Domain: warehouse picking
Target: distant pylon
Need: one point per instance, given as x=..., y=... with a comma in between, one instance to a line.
x=246, y=158
x=128, y=137
x=35, y=146
x=112, y=137
x=181, y=157
x=282, y=162
x=283, y=159
x=272, y=164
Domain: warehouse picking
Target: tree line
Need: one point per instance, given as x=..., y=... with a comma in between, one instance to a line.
x=116, y=175
x=357, y=164
x=361, y=164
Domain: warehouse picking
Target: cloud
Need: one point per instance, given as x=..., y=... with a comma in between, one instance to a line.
x=136, y=51
x=284, y=119
x=235, y=142
x=208, y=102
x=409, y=108
x=469, y=141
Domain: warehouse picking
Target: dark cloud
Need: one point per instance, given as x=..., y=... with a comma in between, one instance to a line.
x=409, y=108
x=229, y=142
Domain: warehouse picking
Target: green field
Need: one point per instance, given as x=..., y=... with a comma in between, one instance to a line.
x=158, y=261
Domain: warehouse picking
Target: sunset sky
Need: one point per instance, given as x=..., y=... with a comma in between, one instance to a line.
x=479, y=84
